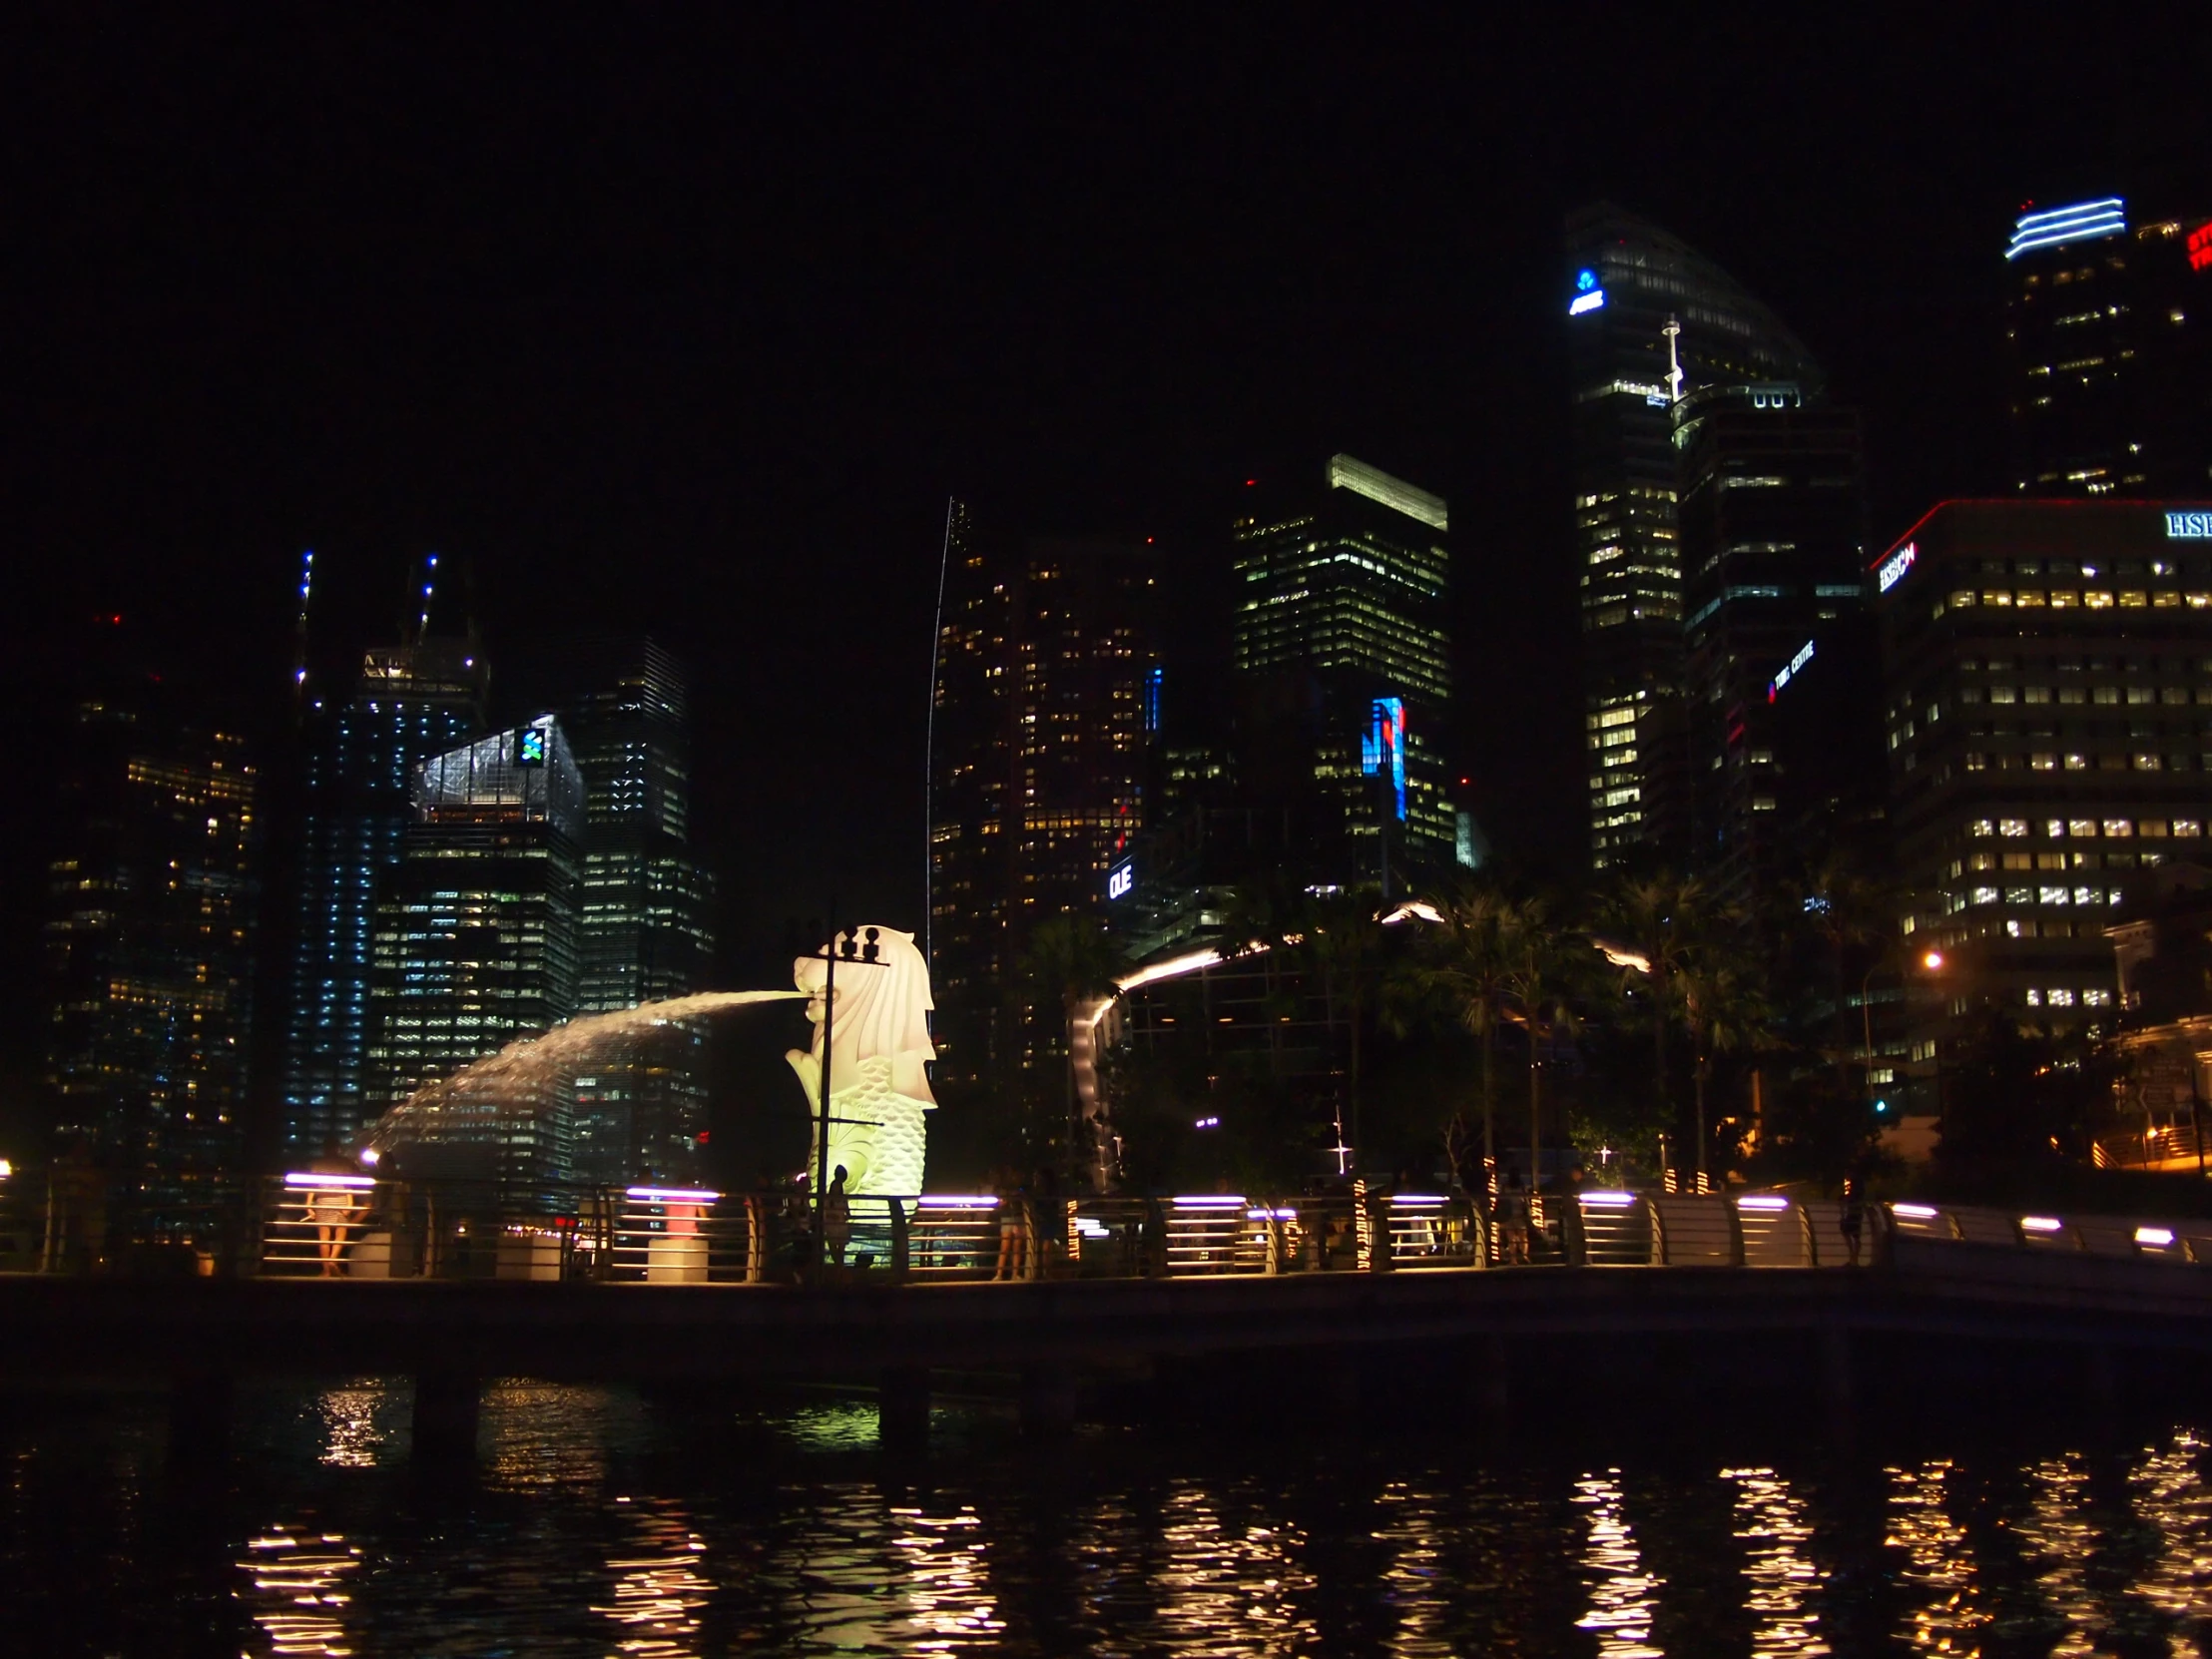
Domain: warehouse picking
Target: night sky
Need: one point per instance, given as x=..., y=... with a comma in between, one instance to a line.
x=690, y=319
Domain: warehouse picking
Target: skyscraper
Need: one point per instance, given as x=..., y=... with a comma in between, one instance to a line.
x=642, y=929
x=1772, y=529
x=149, y=932
x=2108, y=328
x=413, y=700
x=1648, y=320
x=475, y=944
x=1343, y=668
x=1039, y=729
x=2047, y=665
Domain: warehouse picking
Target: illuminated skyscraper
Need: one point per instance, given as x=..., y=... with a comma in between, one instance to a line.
x=2107, y=327
x=1648, y=321
x=475, y=944
x=149, y=934
x=642, y=929
x=1045, y=701
x=413, y=700
x=1344, y=669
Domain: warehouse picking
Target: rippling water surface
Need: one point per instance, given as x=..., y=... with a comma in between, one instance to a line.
x=600, y=1522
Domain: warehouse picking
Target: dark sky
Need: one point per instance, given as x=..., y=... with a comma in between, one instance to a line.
x=691, y=317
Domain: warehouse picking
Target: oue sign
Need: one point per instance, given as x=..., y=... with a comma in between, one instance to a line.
x=1120, y=879
x=2189, y=526
x=1896, y=565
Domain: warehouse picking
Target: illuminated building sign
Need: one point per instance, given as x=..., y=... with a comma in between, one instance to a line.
x=2189, y=526
x=1790, y=672
x=1120, y=879
x=1894, y=566
x=530, y=747
x=1383, y=750
x=2200, y=248
x=1586, y=303
x=2055, y=227
x=1585, y=281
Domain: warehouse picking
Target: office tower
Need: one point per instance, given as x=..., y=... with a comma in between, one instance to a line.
x=2046, y=669
x=1772, y=527
x=642, y=929
x=1039, y=730
x=475, y=944
x=412, y=701
x=1648, y=321
x=2106, y=328
x=1343, y=671
x=148, y=935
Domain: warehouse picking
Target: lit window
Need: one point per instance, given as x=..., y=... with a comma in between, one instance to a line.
x=2096, y=999
x=2043, y=763
x=1964, y=597
x=2188, y=826
x=1981, y=827
x=2058, y=998
x=2034, y=998
x=2011, y=826
x=2134, y=600
x=2119, y=826
x=1985, y=896
x=2052, y=895
x=2096, y=600
x=2151, y=826
x=2077, y=762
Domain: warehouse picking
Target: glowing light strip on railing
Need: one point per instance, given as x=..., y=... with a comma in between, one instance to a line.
x=1762, y=1200
x=1423, y=1200
x=937, y=1201
x=2042, y=1224
x=1271, y=1215
x=673, y=1195
x=1914, y=1212
x=351, y=1182
x=1212, y=1201
x=1609, y=1200
x=2157, y=1238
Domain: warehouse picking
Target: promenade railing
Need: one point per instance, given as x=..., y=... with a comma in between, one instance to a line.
x=68, y=1220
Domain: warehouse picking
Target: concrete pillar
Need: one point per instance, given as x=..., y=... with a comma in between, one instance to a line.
x=198, y=1417
x=902, y=1409
x=445, y=1408
x=1048, y=1400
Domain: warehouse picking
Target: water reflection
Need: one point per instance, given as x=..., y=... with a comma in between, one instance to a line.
x=1227, y=1588
x=359, y=1421
x=296, y=1591
x=1622, y=1593
x=1778, y=1578
x=947, y=1589
x=658, y=1588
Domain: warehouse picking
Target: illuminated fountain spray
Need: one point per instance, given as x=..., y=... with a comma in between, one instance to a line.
x=486, y=1098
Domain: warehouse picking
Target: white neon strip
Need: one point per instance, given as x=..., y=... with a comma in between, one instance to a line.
x=936, y=1202
x=2104, y=205
x=1271, y=1215
x=1418, y=1198
x=1914, y=1212
x=352, y=1181
x=673, y=1195
x=2158, y=1238
x=1609, y=1200
x=2042, y=1224
x=1586, y=303
x=1212, y=1201
x=1762, y=1202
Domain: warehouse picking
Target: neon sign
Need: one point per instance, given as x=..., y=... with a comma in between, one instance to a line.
x=1894, y=566
x=1383, y=750
x=2189, y=526
x=530, y=747
x=2055, y=227
x=1586, y=303
x=1120, y=879
x=2200, y=248
x=1584, y=281
x=1795, y=667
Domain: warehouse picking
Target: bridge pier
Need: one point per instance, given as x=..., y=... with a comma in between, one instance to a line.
x=199, y=1419
x=1048, y=1400
x=445, y=1412
x=902, y=1409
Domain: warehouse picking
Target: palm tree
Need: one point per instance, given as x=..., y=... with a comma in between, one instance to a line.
x=1663, y=916
x=1723, y=1002
x=1472, y=957
x=1071, y=962
x=1847, y=909
x=1539, y=964
x=1341, y=934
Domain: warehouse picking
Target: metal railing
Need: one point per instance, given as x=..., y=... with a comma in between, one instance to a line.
x=361, y=1226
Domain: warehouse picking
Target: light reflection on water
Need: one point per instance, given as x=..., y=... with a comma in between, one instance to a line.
x=596, y=1524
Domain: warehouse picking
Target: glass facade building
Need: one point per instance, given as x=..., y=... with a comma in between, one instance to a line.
x=148, y=935
x=2108, y=332
x=2047, y=708
x=642, y=932
x=1044, y=707
x=413, y=700
x=1649, y=320
x=475, y=944
x=1344, y=669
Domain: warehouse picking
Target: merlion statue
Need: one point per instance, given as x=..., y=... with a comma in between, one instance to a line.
x=880, y=1051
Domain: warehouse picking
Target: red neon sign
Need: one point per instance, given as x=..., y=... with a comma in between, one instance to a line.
x=2200, y=248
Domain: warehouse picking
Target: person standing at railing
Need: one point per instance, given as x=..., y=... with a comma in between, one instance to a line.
x=1851, y=1218
x=836, y=1220
x=1012, y=1228
x=1512, y=1218
x=799, y=1230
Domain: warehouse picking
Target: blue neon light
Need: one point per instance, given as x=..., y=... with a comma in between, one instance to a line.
x=1153, y=679
x=2055, y=227
x=1584, y=281
x=1384, y=746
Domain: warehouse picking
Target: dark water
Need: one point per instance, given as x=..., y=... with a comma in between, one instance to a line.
x=600, y=1522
